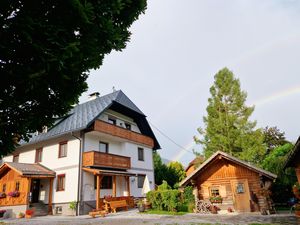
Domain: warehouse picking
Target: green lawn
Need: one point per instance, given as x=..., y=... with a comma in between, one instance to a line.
x=159, y=212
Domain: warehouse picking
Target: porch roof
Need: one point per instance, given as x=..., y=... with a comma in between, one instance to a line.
x=108, y=172
x=28, y=169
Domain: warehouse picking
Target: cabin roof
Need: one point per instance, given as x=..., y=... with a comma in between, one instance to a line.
x=292, y=156
x=28, y=169
x=224, y=155
x=83, y=115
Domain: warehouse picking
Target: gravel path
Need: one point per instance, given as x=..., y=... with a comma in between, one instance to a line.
x=132, y=217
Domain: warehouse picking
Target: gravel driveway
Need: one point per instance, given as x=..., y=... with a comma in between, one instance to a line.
x=132, y=217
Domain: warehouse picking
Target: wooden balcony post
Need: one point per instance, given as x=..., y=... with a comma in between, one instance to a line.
x=128, y=185
x=99, y=179
x=50, y=212
x=114, y=186
x=28, y=190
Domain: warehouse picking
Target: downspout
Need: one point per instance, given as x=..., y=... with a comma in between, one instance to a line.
x=79, y=172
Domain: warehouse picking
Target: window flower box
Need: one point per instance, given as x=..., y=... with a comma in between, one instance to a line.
x=14, y=194
x=216, y=199
x=2, y=195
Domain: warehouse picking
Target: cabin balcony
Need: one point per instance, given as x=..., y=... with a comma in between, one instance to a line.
x=100, y=159
x=123, y=133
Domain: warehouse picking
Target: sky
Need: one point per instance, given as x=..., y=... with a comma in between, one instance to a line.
x=178, y=46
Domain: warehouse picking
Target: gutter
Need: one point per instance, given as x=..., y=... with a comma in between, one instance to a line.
x=79, y=173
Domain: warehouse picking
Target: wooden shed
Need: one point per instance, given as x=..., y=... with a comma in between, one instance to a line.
x=238, y=184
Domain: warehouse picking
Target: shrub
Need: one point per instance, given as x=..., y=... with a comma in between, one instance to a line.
x=73, y=205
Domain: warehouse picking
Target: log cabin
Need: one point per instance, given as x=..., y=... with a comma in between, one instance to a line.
x=101, y=148
x=233, y=182
x=294, y=159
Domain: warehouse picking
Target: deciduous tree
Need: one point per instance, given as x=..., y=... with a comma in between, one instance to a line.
x=46, y=51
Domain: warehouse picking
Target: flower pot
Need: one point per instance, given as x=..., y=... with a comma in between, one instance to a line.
x=28, y=216
x=141, y=208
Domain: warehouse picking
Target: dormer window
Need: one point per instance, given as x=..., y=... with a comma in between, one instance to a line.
x=112, y=120
x=128, y=126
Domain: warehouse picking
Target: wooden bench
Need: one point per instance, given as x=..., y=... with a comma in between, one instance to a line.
x=118, y=204
x=101, y=213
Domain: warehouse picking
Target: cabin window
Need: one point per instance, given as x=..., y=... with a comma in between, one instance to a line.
x=106, y=182
x=63, y=149
x=240, y=188
x=16, y=158
x=140, y=154
x=38, y=155
x=61, y=180
x=112, y=120
x=141, y=179
x=103, y=147
x=214, y=191
x=128, y=126
x=4, y=188
x=17, y=186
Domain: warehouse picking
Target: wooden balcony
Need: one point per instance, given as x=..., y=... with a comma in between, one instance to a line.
x=121, y=132
x=94, y=158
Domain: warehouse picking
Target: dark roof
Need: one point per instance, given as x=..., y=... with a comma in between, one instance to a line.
x=83, y=115
x=292, y=156
x=28, y=169
x=228, y=157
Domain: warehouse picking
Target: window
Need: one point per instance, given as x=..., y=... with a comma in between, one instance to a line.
x=63, y=149
x=128, y=126
x=4, y=188
x=214, y=191
x=106, y=182
x=16, y=158
x=17, y=186
x=140, y=154
x=112, y=121
x=61, y=182
x=103, y=147
x=240, y=188
x=38, y=155
x=141, y=179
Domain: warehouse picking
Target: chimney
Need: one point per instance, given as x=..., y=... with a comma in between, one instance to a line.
x=93, y=96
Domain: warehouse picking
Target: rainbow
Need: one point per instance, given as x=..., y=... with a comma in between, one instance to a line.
x=259, y=102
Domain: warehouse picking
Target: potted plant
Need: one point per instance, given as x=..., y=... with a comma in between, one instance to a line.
x=2, y=212
x=29, y=213
x=141, y=206
x=21, y=215
x=14, y=194
x=2, y=195
x=73, y=206
x=216, y=199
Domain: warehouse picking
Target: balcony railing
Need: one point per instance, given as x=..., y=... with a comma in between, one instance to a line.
x=114, y=130
x=94, y=158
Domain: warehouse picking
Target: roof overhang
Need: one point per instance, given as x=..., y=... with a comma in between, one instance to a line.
x=108, y=172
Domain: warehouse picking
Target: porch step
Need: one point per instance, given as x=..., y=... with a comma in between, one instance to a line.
x=40, y=209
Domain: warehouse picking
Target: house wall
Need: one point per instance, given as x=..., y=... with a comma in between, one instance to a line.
x=67, y=165
x=220, y=174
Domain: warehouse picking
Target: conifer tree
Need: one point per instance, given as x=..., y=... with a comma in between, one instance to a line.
x=227, y=124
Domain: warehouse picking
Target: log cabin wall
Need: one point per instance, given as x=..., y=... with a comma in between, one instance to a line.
x=8, y=181
x=220, y=173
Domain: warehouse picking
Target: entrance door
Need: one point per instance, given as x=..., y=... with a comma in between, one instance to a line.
x=241, y=195
x=35, y=190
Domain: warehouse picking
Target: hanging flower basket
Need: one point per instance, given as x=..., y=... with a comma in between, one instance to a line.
x=2, y=195
x=14, y=194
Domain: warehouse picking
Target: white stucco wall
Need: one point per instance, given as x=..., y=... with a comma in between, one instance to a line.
x=66, y=165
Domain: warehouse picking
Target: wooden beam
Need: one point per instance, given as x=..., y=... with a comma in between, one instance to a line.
x=50, y=212
x=128, y=185
x=114, y=186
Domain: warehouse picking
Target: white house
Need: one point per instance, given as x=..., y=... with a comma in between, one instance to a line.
x=101, y=147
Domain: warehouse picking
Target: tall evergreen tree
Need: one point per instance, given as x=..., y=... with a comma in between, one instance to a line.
x=227, y=124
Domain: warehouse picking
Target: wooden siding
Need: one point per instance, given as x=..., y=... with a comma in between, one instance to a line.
x=10, y=178
x=220, y=173
x=94, y=158
x=120, y=132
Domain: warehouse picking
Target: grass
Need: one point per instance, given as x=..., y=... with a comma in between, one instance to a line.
x=160, y=212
